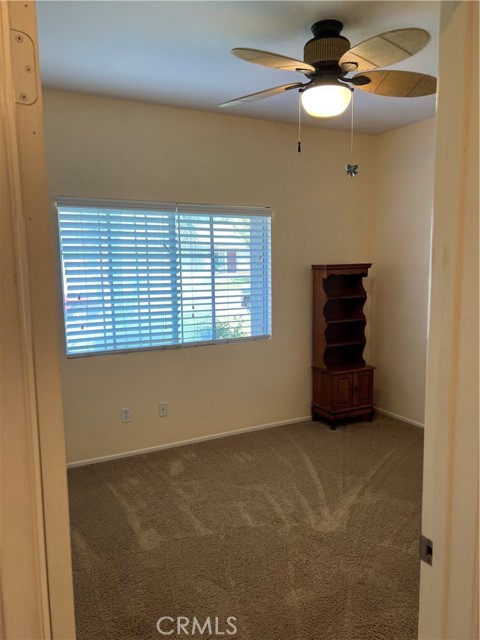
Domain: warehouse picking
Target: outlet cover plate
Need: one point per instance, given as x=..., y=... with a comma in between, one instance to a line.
x=163, y=409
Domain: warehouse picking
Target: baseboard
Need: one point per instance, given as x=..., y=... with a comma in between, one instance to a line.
x=170, y=445
x=397, y=417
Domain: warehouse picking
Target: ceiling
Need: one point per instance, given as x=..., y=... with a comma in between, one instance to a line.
x=177, y=53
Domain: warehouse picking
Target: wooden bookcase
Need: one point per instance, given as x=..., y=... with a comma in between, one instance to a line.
x=342, y=381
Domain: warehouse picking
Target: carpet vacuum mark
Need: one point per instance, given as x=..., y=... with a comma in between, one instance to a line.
x=298, y=532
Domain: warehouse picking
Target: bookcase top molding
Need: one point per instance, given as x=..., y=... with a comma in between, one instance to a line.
x=343, y=269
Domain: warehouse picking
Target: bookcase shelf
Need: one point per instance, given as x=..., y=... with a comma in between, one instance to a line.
x=341, y=321
x=356, y=297
x=342, y=381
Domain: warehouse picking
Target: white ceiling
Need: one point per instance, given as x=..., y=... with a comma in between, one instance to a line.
x=177, y=53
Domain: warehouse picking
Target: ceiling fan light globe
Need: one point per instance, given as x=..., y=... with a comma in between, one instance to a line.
x=326, y=101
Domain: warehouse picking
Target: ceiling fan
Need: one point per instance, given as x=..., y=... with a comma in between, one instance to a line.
x=328, y=59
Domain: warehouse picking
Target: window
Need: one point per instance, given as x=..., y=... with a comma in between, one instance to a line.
x=140, y=275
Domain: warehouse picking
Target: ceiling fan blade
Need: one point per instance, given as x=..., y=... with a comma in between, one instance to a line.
x=273, y=60
x=259, y=95
x=398, y=84
x=384, y=49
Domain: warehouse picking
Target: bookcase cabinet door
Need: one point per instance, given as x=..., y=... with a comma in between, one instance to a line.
x=363, y=387
x=342, y=391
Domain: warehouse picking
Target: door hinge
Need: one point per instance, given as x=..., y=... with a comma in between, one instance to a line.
x=426, y=550
x=23, y=67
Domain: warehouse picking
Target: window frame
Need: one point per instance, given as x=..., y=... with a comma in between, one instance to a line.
x=173, y=208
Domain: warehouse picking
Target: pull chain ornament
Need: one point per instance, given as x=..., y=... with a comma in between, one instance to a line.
x=351, y=169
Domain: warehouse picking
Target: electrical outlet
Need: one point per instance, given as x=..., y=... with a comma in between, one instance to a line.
x=163, y=409
x=126, y=414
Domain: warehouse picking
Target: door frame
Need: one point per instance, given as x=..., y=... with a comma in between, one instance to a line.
x=449, y=587
x=36, y=578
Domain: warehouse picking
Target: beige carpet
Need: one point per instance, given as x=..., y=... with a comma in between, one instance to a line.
x=299, y=532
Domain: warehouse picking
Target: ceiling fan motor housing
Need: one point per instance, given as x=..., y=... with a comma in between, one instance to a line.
x=327, y=45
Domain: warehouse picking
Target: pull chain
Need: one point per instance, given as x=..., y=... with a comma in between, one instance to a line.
x=351, y=131
x=351, y=169
x=299, y=144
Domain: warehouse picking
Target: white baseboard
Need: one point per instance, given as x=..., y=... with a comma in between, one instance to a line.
x=397, y=417
x=170, y=445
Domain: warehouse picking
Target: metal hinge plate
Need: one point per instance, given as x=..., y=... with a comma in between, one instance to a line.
x=426, y=550
x=23, y=67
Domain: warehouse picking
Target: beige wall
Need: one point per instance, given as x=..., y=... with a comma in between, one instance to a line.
x=110, y=148
x=101, y=147
x=403, y=186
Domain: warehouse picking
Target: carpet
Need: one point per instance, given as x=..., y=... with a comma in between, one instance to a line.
x=291, y=533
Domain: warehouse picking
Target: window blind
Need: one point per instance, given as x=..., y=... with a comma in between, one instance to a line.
x=140, y=275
